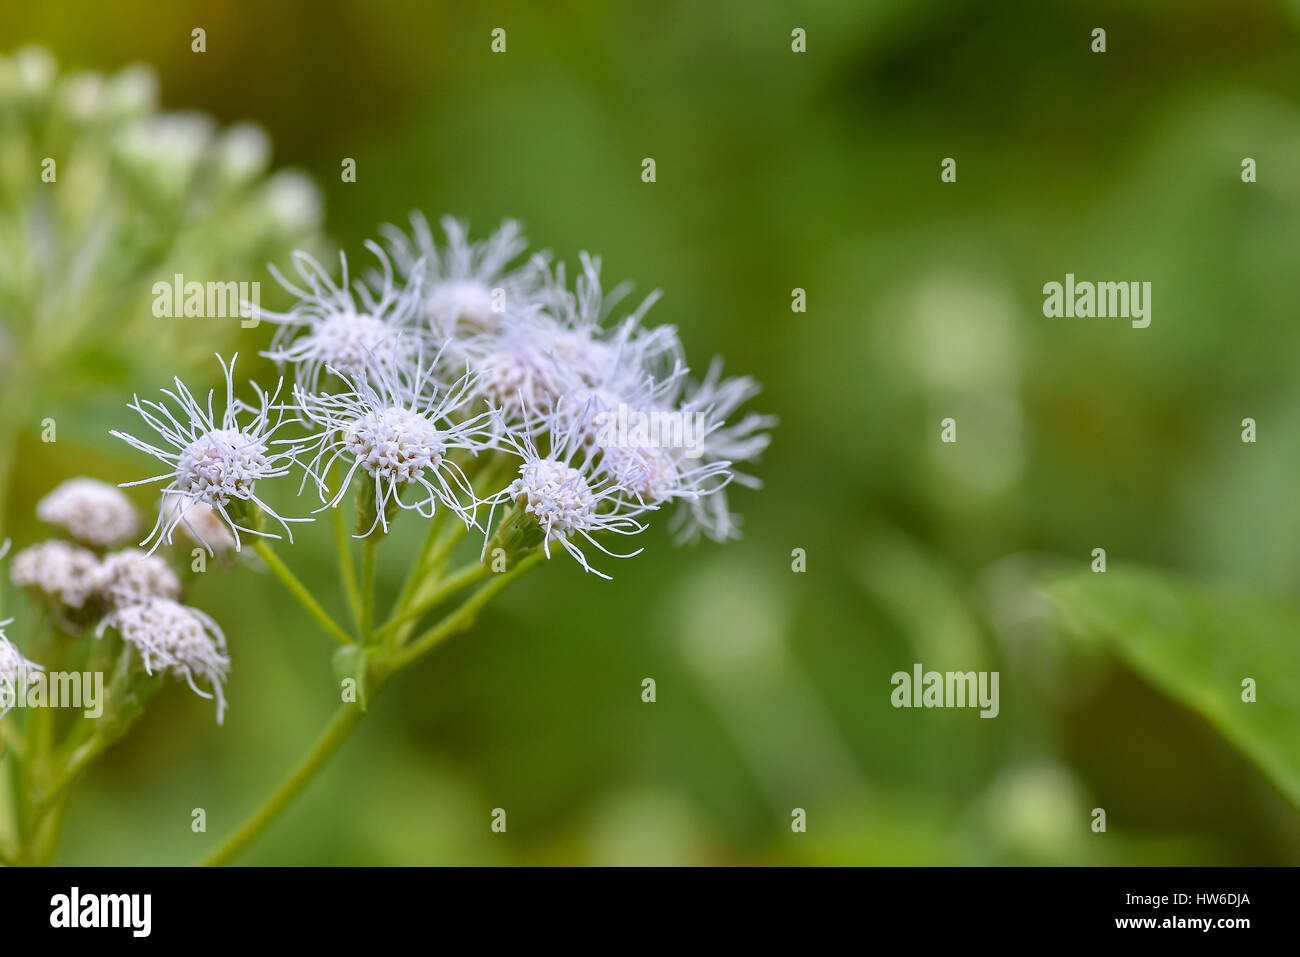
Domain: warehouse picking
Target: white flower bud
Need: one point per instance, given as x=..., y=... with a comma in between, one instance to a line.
x=293, y=202
x=174, y=639
x=131, y=576
x=90, y=511
x=133, y=91
x=35, y=70
x=62, y=572
x=199, y=522
x=243, y=152
x=14, y=670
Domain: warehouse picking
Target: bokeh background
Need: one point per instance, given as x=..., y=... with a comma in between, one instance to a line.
x=779, y=170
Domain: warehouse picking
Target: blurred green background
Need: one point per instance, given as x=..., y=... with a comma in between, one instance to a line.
x=779, y=170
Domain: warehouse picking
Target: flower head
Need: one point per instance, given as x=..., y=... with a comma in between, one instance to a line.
x=14, y=670
x=650, y=474
x=176, y=640
x=351, y=331
x=62, y=572
x=468, y=286
x=598, y=351
x=131, y=576
x=214, y=460
x=515, y=376
x=561, y=351
x=566, y=496
x=91, y=511
x=399, y=432
x=714, y=400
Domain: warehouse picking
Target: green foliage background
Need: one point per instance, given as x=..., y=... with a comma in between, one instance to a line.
x=776, y=171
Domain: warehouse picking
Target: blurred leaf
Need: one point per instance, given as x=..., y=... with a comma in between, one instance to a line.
x=1198, y=646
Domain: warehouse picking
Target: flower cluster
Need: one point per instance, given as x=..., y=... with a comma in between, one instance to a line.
x=467, y=377
x=121, y=196
x=175, y=639
x=14, y=669
x=129, y=590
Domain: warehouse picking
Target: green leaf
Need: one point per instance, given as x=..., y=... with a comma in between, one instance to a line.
x=1197, y=645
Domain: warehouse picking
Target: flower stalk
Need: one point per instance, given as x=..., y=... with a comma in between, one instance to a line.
x=382, y=668
x=300, y=592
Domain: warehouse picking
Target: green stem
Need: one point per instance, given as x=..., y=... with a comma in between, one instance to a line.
x=343, y=543
x=347, y=718
x=47, y=835
x=461, y=579
x=415, y=576
x=35, y=768
x=300, y=592
x=367, y=589
x=44, y=820
x=13, y=738
x=433, y=565
x=331, y=739
x=438, y=556
x=11, y=780
x=438, y=546
x=460, y=618
x=79, y=761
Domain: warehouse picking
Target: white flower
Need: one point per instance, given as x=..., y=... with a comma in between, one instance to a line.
x=581, y=336
x=34, y=70
x=63, y=572
x=199, y=523
x=538, y=357
x=130, y=576
x=133, y=91
x=469, y=286
x=91, y=511
x=652, y=475
x=82, y=96
x=242, y=153
x=516, y=377
x=166, y=149
x=176, y=640
x=460, y=304
x=400, y=432
x=631, y=436
x=626, y=388
x=567, y=497
x=351, y=331
x=216, y=461
x=716, y=399
x=647, y=473
x=293, y=202
x=14, y=670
